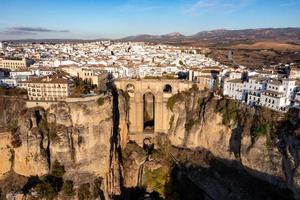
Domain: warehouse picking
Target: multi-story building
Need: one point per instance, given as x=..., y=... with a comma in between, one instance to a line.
x=234, y=88
x=277, y=94
x=254, y=87
x=13, y=64
x=50, y=88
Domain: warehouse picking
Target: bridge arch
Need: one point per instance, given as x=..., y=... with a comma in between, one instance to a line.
x=149, y=112
x=155, y=104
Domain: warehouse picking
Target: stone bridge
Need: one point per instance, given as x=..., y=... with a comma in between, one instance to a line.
x=148, y=112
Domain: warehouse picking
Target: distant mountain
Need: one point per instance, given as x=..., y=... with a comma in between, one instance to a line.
x=174, y=34
x=146, y=37
x=225, y=36
x=213, y=37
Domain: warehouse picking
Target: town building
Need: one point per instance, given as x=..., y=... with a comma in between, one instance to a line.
x=49, y=88
x=13, y=64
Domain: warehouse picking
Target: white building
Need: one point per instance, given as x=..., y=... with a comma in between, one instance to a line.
x=8, y=82
x=254, y=87
x=234, y=88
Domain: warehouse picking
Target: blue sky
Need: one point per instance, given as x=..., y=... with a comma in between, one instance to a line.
x=90, y=19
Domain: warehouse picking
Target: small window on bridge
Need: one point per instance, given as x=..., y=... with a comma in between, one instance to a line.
x=167, y=89
x=130, y=88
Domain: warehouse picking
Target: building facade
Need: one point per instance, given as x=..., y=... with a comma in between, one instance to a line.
x=48, y=88
x=13, y=64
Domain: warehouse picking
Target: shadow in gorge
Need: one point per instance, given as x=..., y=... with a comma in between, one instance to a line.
x=115, y=159
x=137, y=193
x=222, y=180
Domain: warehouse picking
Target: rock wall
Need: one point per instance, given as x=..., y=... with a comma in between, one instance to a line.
x=272, y=156
x=5, y=152
x=78, y=135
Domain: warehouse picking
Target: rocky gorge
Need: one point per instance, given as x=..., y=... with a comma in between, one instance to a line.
x=216, y=148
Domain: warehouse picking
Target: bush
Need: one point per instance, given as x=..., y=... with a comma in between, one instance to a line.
x=157, y=179
x=171, y=121
x=45, y=190
x=55, y=182
x=228, y=108
x=173, y=99
x=82, y=87
x=43, y=125
x=13, y=127
x=100, y=101
x=84, y=192
x=58, y=170
x=189, y=124
x=68, y=189
x=262, y=130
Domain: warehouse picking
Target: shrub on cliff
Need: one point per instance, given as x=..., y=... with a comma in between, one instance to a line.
x=13, y=127
x=173, y=99
x=100, y=101
x=262, y=130
x=157, y=179
x=171, y=121
x=15, y=139
x=84, y=192
x=45, y=190
x=68, y=189
x=189, y=124
x=228, y=108
x=57, y=170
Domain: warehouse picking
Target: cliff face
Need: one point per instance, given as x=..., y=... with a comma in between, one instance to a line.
x=77, y=135
x=90, y=141
x=263, y=141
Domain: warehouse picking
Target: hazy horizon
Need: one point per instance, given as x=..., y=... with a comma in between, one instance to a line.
x=116, y=19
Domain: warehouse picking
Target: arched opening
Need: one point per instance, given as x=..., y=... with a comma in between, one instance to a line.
x=167, y=89
x=130, y=88
x=149, y=112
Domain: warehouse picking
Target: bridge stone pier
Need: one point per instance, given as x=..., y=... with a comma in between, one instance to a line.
x=148, y=112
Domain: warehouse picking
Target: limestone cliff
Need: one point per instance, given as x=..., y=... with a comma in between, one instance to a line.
x=263, y=141
x=77, y=135
x=90, y=140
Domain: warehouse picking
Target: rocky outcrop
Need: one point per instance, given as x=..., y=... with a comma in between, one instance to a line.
x=77, y=135
x=90, y=141
x=239, y=134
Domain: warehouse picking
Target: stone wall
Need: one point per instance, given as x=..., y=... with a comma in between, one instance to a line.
x=47, y=104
